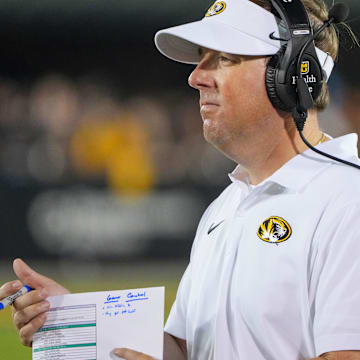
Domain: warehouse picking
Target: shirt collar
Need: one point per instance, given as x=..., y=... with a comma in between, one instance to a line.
x=301, y=169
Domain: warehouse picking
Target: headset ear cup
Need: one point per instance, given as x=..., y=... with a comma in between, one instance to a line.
x=270, y=80
x=271, y=86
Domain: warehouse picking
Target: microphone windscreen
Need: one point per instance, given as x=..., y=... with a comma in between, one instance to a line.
x=339, y=12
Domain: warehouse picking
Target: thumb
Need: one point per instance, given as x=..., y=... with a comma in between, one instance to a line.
x=35, y=280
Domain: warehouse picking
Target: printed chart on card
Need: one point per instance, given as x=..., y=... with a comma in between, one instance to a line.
x=88, y=326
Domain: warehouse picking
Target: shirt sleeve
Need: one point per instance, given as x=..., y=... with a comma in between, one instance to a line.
x=176, y=322
x=336, y=274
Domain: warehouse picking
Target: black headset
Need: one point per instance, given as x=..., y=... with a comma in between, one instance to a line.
x=282, y=73
x=294, y=76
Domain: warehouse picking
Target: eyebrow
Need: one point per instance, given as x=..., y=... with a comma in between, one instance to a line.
x=201, y=51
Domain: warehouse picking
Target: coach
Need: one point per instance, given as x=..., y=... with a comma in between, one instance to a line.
x=274, y=272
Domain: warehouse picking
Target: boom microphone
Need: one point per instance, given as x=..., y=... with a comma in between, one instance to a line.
x=339, y=13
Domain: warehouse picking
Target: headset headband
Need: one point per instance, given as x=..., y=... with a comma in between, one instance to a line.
x=293, y=12
x=297, y=20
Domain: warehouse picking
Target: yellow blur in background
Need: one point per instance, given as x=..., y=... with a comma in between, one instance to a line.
x=117, y=148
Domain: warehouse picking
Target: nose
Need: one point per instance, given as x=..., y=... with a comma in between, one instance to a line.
x=201, y=77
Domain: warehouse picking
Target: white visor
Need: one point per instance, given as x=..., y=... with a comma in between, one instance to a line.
x=233, y=26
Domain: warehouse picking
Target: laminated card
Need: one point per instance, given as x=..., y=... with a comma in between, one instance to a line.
x=88, y=326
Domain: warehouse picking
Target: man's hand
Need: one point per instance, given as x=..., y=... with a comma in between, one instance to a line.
x=128, y=354
x=340, y=355
x=174, y=349
x=29, y=309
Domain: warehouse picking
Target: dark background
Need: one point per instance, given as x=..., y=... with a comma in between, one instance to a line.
x=107, y=47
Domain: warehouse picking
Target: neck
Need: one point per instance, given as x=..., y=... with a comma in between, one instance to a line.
x=288, y=143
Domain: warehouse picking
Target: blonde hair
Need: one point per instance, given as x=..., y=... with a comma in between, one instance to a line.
x=327, y=41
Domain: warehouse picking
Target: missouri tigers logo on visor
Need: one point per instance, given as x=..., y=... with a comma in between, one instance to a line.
x=216, y=9
x=274, y=230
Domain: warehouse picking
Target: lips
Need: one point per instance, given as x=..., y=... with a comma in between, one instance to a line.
x=205, y=103
x=208, y=106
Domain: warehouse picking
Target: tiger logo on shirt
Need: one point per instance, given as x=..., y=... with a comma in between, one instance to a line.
x=216, y=9
x=274, y=230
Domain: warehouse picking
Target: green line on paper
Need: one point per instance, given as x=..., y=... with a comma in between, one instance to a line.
x=65, y=327
x=63, y=347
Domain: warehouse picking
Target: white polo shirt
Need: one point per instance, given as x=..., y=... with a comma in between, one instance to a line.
x=274, y=272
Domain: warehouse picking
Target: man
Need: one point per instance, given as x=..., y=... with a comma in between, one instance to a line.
x=275, y=264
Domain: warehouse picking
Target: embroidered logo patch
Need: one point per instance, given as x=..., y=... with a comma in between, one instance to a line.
x=274, y=230
x=305, y=67
x=216, y=9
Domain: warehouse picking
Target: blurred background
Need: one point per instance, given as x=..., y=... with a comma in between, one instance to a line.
x=104, y=173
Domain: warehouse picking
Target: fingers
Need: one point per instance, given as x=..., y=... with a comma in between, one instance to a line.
x=29, y=276
x=29, y=309
x=9, y=288
x=128, y=354
x=29, y=314
x=23, y=271
x=31, y=298
x=22, y=317
x=27, y=332
x=35, y=280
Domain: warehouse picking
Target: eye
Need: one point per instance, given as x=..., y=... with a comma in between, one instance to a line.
x=228, y=59
x=224, y=58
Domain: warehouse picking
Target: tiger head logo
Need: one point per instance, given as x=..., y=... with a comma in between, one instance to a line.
x=216, y=9
x=274, y=230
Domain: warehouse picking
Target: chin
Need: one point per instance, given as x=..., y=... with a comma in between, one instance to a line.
x=216, y=137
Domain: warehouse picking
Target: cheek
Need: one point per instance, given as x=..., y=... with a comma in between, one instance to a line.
x=247, y=96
